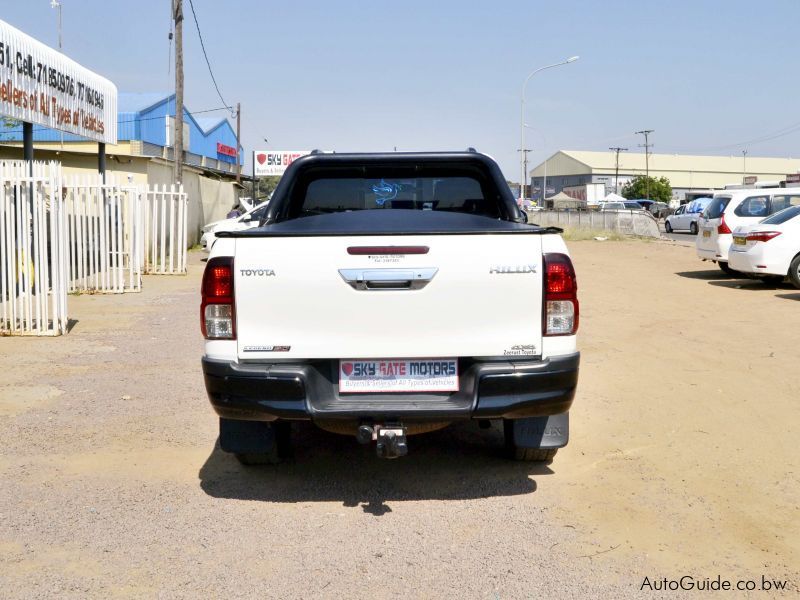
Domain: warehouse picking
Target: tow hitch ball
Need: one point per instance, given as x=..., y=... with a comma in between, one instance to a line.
x=390, y=439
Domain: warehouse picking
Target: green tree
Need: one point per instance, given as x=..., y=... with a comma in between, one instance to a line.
x=637, y=188
x=265, y=186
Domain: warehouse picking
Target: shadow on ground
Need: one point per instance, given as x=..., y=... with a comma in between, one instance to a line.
x=753, y=285
x=789, y=296
x=458, y=463
x=704, y=275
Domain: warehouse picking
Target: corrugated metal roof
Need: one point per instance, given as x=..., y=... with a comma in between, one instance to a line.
x=209, y=123
x=635, y=161
x=137, y=102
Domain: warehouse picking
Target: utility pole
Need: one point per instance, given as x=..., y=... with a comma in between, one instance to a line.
x=238, y=129
x=177, y=147
x=617, y=149
x=524, y=183
x=646, y=133
x=744, y=165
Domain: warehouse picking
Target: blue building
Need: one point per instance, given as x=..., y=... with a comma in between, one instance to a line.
x=148, y=122
x=143, y=154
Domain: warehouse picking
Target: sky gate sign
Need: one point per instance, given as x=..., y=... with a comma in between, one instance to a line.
x=42, y=86
x=274, y=162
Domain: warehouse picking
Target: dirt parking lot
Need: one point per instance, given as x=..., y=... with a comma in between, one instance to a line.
x=683, y=460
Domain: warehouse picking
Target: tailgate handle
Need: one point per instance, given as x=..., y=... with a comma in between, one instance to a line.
x=387, y=279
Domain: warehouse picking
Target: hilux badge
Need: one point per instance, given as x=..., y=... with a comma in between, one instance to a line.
x=511, y=269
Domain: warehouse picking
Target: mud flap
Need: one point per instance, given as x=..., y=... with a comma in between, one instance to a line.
x=244, y=437
x=540, y=432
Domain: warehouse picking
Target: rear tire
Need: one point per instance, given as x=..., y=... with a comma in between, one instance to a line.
x=281, y=449
x=693, y=228
x=794, y=271
x=534, y=454
x=525, y=454
x=667, y=227
x=728, y=271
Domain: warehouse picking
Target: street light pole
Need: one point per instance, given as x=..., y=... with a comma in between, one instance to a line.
x=522, y=180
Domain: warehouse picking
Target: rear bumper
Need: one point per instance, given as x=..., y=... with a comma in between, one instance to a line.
x=715, y=249
x=755, y=260
x=489, y=389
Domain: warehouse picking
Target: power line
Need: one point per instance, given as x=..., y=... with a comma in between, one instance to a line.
x=203, y=47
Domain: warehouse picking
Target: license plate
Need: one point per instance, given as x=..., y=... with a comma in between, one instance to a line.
x=740, y=241
x=706, y=233
x=398, y=375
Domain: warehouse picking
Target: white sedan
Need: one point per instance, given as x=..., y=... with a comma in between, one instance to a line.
x=770, y=249
x=248, y=220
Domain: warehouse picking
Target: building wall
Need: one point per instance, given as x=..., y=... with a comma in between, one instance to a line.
x=210, y=198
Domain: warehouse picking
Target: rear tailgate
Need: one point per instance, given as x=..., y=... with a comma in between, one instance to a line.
x=472, y=295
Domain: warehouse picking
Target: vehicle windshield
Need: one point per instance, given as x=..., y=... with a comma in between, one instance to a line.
x=463, y=190
x=698, y=205
x=613, y=206
x=717, y=206
x=633, y=206
x=782, y=216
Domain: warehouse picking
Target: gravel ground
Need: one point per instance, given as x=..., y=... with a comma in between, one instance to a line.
x=113, y=487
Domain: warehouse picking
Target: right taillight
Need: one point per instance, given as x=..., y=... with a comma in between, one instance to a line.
x=723, y=226
x=217, y=317
x=561, y=311
x=762, y=236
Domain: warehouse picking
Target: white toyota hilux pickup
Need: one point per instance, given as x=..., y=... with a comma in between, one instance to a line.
x=386, y=295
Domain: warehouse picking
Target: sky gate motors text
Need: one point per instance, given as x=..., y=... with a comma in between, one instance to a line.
x=402, y=368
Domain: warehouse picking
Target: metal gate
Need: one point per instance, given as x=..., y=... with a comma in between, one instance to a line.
x=165, y=227
x=104, y=227
x=33, y=249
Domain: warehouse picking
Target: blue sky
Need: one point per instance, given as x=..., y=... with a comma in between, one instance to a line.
x=710, y=77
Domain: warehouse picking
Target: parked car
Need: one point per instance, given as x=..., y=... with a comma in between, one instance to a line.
x=246, y=221
x=733, y=208
x=686, y=216
x=659, y=209
x=626, y=206
x=769, y=250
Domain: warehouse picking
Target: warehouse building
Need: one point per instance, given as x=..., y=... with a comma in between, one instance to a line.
x=144, y=153
x=570, y=170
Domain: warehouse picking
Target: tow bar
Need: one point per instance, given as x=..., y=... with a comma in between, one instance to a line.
x=390, y=438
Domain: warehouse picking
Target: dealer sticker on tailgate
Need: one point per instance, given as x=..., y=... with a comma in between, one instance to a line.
x=399, y=375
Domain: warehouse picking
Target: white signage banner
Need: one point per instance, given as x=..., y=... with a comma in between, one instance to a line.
x=42, y=86
x=274, y=162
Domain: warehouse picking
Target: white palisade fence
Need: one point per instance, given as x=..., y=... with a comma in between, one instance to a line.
x=33, y=249
x=104, y=222
x=165, y=230
x=61, y=235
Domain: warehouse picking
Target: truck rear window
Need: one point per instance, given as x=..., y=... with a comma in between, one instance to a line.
x=462, y=192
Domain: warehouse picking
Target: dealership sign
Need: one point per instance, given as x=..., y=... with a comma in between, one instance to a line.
x=275, y=162
x=42, y=86
x=226, y=150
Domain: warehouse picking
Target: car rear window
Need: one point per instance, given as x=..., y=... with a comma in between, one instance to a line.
x=458, y=190
x=717, y=206
x=784, y=201
x=783, y=216
x=753, y=206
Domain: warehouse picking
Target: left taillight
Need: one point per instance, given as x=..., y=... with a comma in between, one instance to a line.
x=561, y=310
x=217, y=314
